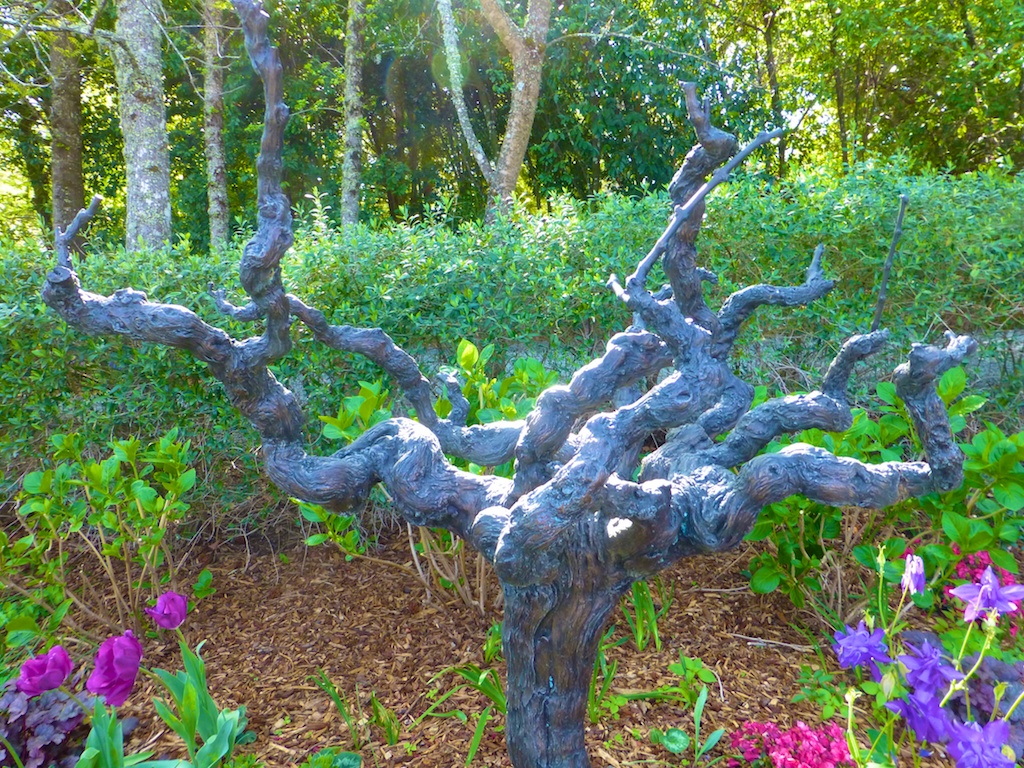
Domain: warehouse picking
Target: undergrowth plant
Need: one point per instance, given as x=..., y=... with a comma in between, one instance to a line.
x=118, y=514
x=811, y=546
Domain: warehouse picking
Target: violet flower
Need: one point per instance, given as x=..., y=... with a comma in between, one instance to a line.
x=858, y=647
x=117, y=666
x=924, y=716
x=988, y=596
x=925, y=670
x=913, y=575
x=170, y=610
x=975, y=747
x=44, y=672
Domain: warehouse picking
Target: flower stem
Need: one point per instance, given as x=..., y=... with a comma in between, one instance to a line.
x=12, y=752
x=1016, y=703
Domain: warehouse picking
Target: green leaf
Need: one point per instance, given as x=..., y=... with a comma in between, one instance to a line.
x=21, y=631
x=317, y=538
x=38, y=482
x=952, y=384
x=675, y=741
x=765, y=580
x=1010, y=495
x=956, y=527
x=886, y=392
x=1003, y=559
x=467, y=355
x=713, y=739
x=312, y=513
x=186, y=481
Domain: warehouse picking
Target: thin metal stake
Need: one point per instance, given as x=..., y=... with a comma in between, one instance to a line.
x=888, y=262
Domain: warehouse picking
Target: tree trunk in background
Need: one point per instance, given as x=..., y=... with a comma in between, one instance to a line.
x=837, y=78
x=773, y=83
x=139, y=69
x=352, y=162
x=213, y=129
x=527, y=47
x=68, y=190
x=34, y=159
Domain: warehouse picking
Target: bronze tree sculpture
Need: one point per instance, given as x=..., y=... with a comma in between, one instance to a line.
x=571, y=532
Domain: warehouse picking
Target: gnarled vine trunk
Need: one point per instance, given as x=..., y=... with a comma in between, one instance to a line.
x=572, y=530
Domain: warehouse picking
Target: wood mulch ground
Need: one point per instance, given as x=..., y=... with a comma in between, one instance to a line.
x=275, y=620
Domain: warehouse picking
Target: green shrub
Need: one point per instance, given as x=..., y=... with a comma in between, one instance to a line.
x=531, y=285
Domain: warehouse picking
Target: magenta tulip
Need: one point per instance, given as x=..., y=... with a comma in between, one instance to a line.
x=117, y=666
x=170, y=610
x=45, y=672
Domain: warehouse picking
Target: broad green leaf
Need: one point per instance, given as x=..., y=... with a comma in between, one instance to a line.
x=765, y=580
x=952, y=384
x=675, y=741
x=1010, y=495
x=467, y=355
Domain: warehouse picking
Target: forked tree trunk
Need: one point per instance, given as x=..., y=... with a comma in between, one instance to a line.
x=213, y=128
x=526, y=45
x=138, y=67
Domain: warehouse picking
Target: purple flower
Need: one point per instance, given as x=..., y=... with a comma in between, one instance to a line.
x=926, y=672
x=913, y=575
x=170, y=610
x=857, y=647
x=975, y=747
x=929, y=721
x=117, y=666
x=45, y=672
x=988, y=596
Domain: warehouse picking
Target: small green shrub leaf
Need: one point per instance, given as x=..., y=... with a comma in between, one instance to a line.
x=765, y=580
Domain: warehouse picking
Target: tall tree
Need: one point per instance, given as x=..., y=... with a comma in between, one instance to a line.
x=213, y=127
x=526, y=45
x=138, y=64
x=68, y=187
x=353, y=151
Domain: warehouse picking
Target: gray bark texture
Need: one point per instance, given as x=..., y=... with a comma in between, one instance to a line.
x=572, y=531
x=68, y=189
x=213, y=128
x=352, y=162
x=527, y=46
x=138, y=68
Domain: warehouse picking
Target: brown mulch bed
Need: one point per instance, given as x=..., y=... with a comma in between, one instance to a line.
x=274, y=621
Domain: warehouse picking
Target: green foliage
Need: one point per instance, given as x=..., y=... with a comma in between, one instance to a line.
x=210, y=734
x=353, y=716
x=332, y=757
x=981, y=515
x=641, y=613
x=817, y=687
x=677, y=741
x=120, y=512
x=692, y=676
x=533, y=286
x=357, y=413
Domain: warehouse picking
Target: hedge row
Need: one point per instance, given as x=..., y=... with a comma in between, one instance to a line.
x=536, y=283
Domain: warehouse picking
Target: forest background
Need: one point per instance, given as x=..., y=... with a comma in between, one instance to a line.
x=940, y=86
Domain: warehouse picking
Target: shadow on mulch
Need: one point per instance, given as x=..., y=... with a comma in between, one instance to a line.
x=274, y=621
